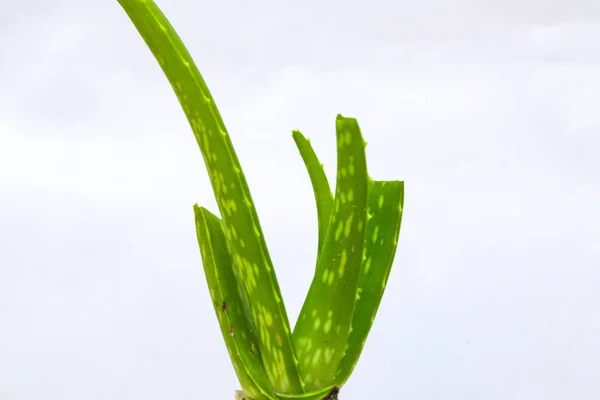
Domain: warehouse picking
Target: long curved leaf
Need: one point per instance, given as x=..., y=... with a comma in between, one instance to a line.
x=320, y=184
x=244, y=234
x=240, y=339
x=324, y=323
x=386, y=201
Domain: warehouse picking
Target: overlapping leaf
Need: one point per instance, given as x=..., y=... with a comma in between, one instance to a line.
x=385, y=203
x=240, y=339
x=323, y=326
x=386, y=200
x=245, y=240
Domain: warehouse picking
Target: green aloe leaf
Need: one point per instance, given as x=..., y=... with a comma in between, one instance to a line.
x=240, y=339
x=386, y=201
x=320, y=184
x=244, y=234
x=385, y=204
x=323, y=326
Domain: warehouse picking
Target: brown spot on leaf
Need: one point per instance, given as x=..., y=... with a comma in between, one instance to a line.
x=230, y=330
x=224, y=307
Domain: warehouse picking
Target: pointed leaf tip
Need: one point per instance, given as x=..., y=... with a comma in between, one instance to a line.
x=320, y=184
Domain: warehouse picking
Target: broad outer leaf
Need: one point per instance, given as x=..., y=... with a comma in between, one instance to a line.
x=244, y=234
x=241, y=341
x=386, y=200
x=323, y=326
x=320, y=184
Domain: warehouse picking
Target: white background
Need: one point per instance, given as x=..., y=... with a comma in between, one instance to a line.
x=487, y=109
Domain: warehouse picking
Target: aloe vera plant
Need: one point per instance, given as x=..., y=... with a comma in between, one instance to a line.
x=358, y=230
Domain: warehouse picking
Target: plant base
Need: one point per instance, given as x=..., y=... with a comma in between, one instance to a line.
x=333, y=395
